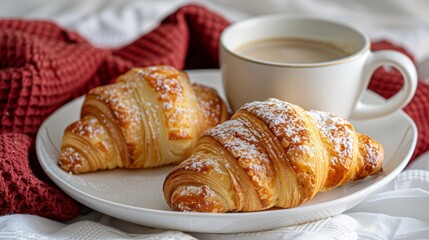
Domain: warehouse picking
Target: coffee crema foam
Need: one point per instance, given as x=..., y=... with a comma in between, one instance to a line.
x=294, y=50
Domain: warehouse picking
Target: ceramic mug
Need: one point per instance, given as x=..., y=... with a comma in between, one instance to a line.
x=334, y=85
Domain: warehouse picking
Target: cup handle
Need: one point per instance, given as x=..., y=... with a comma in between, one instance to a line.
x=401, y=98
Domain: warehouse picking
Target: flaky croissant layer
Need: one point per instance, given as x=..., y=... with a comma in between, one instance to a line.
x=270, y=154
x=150, y=117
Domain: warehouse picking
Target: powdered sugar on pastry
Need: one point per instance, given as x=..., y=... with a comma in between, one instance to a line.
x=165, y=82
x=243, y=143
x=337, y=131
x=282, y=118
x=199, y=164
x=209, y=102
x=196, y=197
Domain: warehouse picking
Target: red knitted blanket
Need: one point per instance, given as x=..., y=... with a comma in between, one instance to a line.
x=43, y=66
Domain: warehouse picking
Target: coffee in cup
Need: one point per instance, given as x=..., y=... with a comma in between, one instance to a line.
x=293, y=50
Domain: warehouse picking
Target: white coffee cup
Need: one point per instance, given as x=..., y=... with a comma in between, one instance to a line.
x=335, y=85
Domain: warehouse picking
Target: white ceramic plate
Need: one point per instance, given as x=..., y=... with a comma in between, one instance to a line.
x=136, y=195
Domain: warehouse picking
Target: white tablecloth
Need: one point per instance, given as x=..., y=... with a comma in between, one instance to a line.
x=398, y=211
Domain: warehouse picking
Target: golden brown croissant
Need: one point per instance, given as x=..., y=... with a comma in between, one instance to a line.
x=270, y=154
x=150, y=117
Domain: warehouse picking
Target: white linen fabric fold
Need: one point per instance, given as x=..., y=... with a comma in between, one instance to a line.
x=398, y=211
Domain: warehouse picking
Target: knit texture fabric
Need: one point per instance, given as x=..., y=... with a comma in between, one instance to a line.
x=43, y=66
x=20, y=190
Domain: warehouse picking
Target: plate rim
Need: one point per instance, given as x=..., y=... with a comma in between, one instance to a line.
x=61, y=183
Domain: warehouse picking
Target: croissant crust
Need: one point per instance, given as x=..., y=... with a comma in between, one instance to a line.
x=149, y=117
x=270, y=154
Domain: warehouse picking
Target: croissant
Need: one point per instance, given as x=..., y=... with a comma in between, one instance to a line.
x=149, y=117
x=270, y=154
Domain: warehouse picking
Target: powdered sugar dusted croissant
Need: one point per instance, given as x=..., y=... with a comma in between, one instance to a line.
x=270, y=154
x=150, y=117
